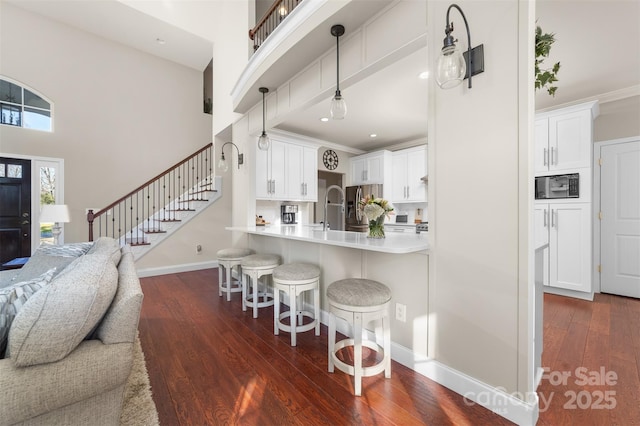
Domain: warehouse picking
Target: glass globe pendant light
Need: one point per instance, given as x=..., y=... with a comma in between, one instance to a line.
x=338, y=105
x=263, y=141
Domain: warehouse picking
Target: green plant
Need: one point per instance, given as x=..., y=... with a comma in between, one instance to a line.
x=545, y=77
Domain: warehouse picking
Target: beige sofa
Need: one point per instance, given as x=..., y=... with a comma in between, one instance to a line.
x=70, y=346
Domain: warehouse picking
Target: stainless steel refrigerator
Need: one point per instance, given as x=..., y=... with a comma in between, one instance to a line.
x=355, y=220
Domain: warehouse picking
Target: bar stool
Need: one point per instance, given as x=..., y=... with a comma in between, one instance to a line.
x=228, y=259
x=294, y=279
x=254, y=267
x=359, y=301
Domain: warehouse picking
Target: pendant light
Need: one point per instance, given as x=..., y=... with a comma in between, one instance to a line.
x=338, y=105
x=263, y=141
x=454, y=65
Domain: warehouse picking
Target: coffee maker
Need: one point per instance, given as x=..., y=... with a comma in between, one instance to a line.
x=288, y=213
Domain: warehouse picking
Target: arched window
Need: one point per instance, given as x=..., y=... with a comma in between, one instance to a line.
x=23, y=107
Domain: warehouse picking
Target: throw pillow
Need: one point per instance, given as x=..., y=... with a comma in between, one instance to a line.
x=65, y=250
x=61, y=315
x=13, y=298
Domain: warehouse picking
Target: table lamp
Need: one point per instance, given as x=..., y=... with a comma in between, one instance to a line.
x=56, y=213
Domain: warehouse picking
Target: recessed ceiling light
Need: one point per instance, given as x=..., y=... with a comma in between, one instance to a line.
x=160, y=41
x=423, y=75
x=324, y=119
x=373, y=135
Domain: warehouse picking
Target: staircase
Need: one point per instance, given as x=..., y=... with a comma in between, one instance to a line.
x=152, y=212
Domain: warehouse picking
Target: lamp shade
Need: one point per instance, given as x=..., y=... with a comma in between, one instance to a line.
x=338, y=108
x=451, y=67
x=54, y=213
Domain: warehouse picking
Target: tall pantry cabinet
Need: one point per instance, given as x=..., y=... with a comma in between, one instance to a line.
x=564, y=145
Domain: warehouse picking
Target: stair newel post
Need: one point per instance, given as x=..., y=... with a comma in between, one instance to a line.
x=90, y=220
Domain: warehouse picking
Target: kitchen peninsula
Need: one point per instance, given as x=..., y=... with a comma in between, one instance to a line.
x=400, y=261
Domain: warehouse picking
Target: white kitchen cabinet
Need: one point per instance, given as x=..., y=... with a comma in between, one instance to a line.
x=287, y=172
x=271, y=172
x=408, y=167
x=564, y=138
x=302, y=168
x=370, y=168
x=567, y=228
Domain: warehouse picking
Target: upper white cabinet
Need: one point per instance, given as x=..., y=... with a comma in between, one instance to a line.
x=564, y=137
x=370, y=168
x=287, y=172
x=302, y=182
x=408, y=167
x=271, y=172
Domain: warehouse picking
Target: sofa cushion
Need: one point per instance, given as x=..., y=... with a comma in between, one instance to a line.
x=57, y=318
x=107, y=245
x=41, y=263
x=13, y=298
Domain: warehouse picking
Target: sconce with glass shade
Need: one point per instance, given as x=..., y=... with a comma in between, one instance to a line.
x=222, y=164
x=453, y=65
x=56, y=214
x=263, y=141
x=338, y=104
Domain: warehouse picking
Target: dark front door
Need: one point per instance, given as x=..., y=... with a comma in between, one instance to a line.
x=15, y=208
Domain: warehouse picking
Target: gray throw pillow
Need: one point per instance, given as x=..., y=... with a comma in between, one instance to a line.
x=13, y=298
x=62, y=314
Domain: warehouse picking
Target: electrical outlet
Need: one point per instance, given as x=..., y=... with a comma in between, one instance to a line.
x=401, y=312
x=198, y=249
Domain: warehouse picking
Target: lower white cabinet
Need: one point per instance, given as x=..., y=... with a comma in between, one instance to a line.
x=567, y=228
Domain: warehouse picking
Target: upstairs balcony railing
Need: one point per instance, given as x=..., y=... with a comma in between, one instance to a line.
x=278, y=11
x=145, y=209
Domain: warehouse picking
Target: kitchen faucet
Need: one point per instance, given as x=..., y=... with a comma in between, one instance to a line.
x=326, y=202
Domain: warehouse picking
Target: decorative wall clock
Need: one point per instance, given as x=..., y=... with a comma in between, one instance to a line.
x=330, y=159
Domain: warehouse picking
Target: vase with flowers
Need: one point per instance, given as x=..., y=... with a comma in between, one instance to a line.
x=375, y=210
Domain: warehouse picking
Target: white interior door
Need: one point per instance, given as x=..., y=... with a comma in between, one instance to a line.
x=620, y=224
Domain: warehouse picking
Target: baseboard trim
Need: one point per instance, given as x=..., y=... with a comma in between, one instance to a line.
x=174, y=269
x=569, y=293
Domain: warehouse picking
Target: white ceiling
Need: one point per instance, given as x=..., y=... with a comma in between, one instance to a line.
x=598, y=45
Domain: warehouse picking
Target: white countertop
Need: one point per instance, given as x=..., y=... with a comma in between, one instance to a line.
x=395, y=242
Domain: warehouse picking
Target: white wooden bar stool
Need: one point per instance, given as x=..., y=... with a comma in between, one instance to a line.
x=228, y=259
x=360, y=301
x=294, y=279
x=254, y=267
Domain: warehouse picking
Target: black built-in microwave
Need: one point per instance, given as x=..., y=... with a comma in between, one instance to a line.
x=558, y=186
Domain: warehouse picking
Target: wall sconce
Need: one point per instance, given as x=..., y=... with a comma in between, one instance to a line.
x=56, y=213
x=452, y=66
x=338, y=105
x=222, y=164
x=263, y=141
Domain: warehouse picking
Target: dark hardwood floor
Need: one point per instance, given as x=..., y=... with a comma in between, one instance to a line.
x=592, y=350
x=210, y=363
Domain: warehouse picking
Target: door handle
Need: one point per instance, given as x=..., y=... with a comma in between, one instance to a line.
x=553, y=218
x=545, y=218
x=554, y=157
x=545, y=157
x=25, y=222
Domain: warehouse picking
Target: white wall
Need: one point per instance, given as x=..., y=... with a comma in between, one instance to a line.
x=121, y=116
x=617, y=119
x=478, y=140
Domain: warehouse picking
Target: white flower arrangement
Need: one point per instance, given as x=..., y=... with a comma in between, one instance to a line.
x=374, y=208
